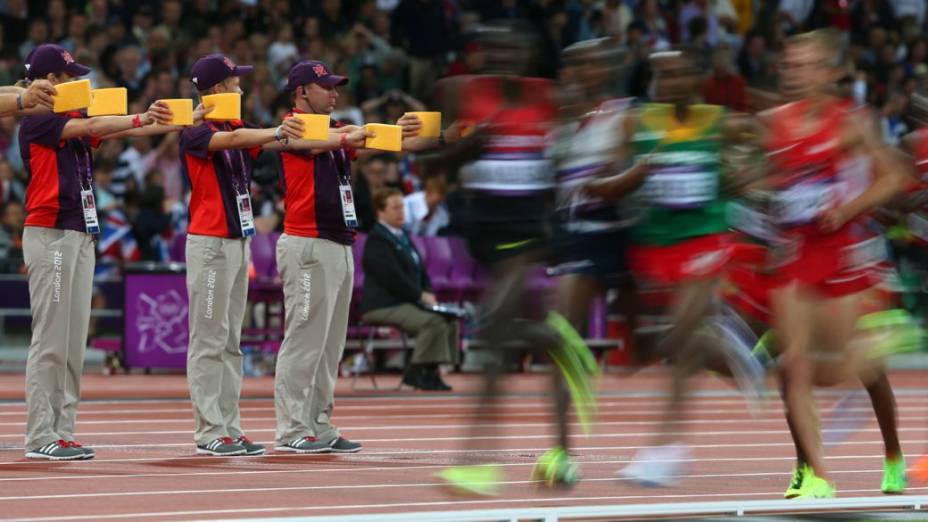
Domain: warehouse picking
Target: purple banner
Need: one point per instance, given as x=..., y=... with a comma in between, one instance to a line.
x=156, y=320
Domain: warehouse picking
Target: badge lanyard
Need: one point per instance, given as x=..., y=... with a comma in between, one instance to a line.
x=246, y=215
x=85, y=180
x=344, y=189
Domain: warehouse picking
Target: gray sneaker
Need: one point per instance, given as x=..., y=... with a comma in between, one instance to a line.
x=251, y=448
x=343, y=445
x=221, y=447
x=58, y=450
x=304, y=445
x=89, y=453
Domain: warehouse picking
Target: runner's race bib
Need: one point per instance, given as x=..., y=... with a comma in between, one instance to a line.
x=802, y=203
x=680, y=187
x=748, y=220
x=867, y=253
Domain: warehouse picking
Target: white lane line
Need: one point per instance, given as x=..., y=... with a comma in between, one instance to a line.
x=408, y=505
x=585, y=464
x=544, y=411
x=379, y=485
x=440, y=403
x=379, y=455
x=624, y=434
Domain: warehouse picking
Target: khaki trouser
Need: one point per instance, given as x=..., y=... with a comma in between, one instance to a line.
x=436, y=335
x=217, y=283
x=60, y=265
x=318, y=276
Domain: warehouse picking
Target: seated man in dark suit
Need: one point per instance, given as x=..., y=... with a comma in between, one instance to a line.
x=396, y=290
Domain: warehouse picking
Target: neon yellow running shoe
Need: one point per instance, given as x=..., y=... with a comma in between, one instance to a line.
x=578, y=366
x=795, y=483
x=894, y=479
x=556, y=468
x=899, y=332
x=484, y=480
x=816, y=487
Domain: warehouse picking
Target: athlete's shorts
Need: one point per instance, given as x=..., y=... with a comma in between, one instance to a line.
x=833, y=265
x=747, y=290
x=697, y=258
x=599, y=254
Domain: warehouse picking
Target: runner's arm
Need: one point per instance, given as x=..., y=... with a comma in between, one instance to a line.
x=889, y=171
x=614, y=187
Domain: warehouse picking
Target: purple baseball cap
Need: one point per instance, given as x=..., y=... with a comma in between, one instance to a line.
x=214, y=68
x=312, y=71
x=54, y=59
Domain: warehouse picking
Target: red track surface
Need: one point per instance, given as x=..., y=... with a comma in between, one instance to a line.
x=146, y=469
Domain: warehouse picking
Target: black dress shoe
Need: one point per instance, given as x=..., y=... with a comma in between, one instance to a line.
x=413, y=377
x=434, y=382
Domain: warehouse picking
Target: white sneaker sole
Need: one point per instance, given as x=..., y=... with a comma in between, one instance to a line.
x=332, y=450
x=42, y=456
x=289, y=449
x=202, y=451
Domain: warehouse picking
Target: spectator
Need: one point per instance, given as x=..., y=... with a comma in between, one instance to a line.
x=420, y=28
x=373, y=171
x=794, y=13
x=723, y=86
x=15, y=22
x=699, y=9
x=653, y=22
x=390, y=107
x=398, y=292
x=425, y=210
x=891, y=118
x=11, y=237
x=130, y=169
x=38, y=34
x=11, y=189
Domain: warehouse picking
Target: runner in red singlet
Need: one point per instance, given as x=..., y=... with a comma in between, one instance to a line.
x=822, y=259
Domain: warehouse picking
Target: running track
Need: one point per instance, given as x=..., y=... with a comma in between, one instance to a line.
x=146, y=471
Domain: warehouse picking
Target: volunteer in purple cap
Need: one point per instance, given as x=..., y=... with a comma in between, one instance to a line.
x=316, y=265
x=58, y=247
x=217, y=157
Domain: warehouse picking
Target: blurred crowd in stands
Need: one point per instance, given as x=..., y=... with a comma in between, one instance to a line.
x=394, y=51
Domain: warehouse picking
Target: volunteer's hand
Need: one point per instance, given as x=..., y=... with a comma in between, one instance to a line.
x=292, y=128
x=199, y=114
x=411, y=125
x=358, y=137
x=158, y=112
x=39, y=94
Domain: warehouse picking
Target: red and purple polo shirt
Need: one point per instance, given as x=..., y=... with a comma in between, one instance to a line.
x=216, y=179
x=57, y=170
x=311, y=196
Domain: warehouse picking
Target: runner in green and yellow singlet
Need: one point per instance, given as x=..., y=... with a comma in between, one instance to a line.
x=680, y=242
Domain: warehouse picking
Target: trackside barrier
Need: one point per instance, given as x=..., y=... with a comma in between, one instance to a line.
x=613, y=512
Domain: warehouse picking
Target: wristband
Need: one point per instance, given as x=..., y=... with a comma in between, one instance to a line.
x=278, y=135
x=19, y=101
x=344, y=140
x=137, y=121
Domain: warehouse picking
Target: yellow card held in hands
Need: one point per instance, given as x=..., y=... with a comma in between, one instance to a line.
x=72, y=96
x=109, y=102
x=228, y=106
x=315, y=126
x=386, y=137
x=431, y=124
x=181, y=111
